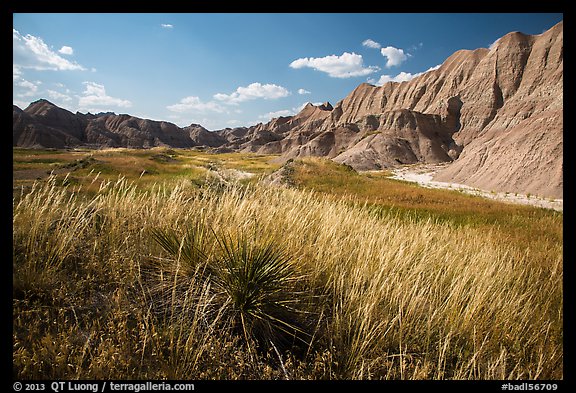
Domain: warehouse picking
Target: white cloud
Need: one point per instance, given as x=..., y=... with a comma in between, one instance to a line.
x=21, y=104
x=95, y=96
x=60, y=85
x=166, y=26
x=295, y=110
x=16, y=72
x=252, y=92
x=394, y=56
x=29, y=87
x=414, y=48
x=345, y=66
x=233, y=122
x=66, y=50
x=287, y=112
x=303, y=91
x=206, y=122
x=194, y=104
x=55, y=95
x=271, y=115
x=31, y=52
x=22, y=87
x=401, y=77
x=299, y=108
x=493, y=45
x=371, y=44
x=433, y=68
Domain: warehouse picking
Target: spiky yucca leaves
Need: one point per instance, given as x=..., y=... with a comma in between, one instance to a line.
x=253, y=281
x=173, y=283
x=259, y=282
x=191, y=248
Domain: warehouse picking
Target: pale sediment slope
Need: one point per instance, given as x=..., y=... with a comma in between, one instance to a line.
x=424, y=175
x=521, y=148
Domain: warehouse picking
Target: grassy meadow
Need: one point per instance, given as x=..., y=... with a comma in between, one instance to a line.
x=181, y=264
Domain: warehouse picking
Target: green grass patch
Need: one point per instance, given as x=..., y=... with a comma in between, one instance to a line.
x=385, y=197
x=129, y=265
x=265, y=282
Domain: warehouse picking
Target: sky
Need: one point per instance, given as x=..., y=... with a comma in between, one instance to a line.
x=231, y=70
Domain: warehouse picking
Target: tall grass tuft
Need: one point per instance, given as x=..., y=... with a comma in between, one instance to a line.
x=259, y=283
x=184, y=283
x=191, y=248
x=251, y=279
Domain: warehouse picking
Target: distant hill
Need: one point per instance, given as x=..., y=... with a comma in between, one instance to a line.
x=43, y=124
x=496, y=113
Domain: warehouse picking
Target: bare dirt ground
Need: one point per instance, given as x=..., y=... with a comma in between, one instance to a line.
x=423, y=174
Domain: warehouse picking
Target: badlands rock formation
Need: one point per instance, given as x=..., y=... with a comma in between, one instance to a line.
x=43, y=124
x=521, y=147
x=496, y=113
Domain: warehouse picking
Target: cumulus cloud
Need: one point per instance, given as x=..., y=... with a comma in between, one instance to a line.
x=253, y=91
x=233, y=122
x=345, y=66
x=16, y=72
x=287, y=112
x=21, y=86
x=31, y=52
x=303, y=91
x=56, y=95
x=371, y=44
x=166, y=26
x=29, y=88
x=433, y=68
x=19, y=103
x=271, y=115
x=394, y=56
x=195, y=104
x=493, y=45
x=66, y=50
x=298, y=108
x=402, y=76
x=94, y=96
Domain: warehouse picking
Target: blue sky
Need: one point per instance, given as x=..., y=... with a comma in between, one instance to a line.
x=229, y=70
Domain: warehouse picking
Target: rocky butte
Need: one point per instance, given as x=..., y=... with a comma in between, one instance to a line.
x=495, y=114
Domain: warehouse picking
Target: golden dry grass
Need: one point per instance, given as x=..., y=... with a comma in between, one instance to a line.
x=518, y=224
x=147, y=167
x=387, y=294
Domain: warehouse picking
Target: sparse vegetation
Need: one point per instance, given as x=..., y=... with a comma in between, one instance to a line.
x=343, y=276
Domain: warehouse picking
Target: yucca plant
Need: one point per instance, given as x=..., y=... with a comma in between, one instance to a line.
x=254, y=281
x=259, y=280
x=191, y=248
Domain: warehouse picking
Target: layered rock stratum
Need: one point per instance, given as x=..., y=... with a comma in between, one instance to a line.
x=495, y=113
